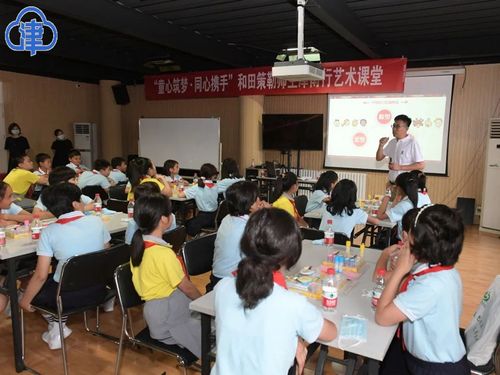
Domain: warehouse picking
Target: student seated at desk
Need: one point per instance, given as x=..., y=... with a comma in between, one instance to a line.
x=159, y=279
x=230, y=174
x=242, y=199
x=407, y=197
x=144, y=190
x=424, y=295
x=97, y=177
x=21, y=178
x=342, y=210
x=141, y=170
x=260, y=324
x=10, y=213
x=206, y=195
x=119, y=166
x=73, y=233
x=57, y=176
x=322, y=191
x=44, y=166
x=286, y=187
x=172, y=169
x=75, y=162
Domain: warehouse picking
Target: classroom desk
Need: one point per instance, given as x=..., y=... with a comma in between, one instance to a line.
x=351, y=301
x=18, y=249
x=368, y=230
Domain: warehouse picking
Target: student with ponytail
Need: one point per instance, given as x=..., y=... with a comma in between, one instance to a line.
x=286, y=187
x=408, y=197
x=141, y=170
x=206, y=195
x=260, y=324
x=159, y=279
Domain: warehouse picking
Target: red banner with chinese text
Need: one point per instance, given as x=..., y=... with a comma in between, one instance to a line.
x=344, y=77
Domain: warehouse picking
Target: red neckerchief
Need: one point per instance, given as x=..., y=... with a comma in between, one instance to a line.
x=148, y=244
x=404, y=288
x=68, y=219
x=295, y=212
x=278, y=278
x=209, y=184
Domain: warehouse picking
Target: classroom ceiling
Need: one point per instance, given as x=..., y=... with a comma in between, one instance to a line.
x=126, y=39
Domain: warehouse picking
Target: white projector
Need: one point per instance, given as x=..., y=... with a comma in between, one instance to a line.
x=300, y=70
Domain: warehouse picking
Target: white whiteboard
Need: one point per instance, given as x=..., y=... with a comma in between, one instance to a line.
x=190, y=141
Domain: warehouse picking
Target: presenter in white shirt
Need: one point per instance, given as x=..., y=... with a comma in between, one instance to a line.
x=403, y=150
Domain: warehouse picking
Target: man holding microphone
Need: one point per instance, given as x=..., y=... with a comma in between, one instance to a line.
x=403, y=150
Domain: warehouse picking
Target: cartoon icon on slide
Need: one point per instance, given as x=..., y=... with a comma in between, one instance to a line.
x=428, y=123
x=384, y=116
x=438, y=122
x=362, y=122
x=336, y=122
x=355, y=123
x=418, y=122
x=359, y=139
x=346, y=122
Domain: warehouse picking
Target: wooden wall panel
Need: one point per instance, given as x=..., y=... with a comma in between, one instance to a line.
x=40, y=105
x=225, y=108
x=476, y=98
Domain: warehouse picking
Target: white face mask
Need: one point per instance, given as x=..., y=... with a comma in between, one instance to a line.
x=61, y=137
x=353, y=331
x=15, y=131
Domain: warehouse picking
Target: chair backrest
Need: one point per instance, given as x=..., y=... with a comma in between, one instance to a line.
x=118, y=192
x=92, y=269
x=198, y=254
x=222, y=211
x=117, y=205
x=127, y=295
x=176, y=238
x=340, y=238
x=91, y=190
x=301, y=204
x=312, y=234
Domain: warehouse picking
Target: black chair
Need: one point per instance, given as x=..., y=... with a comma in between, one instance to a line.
x=117, y=205
x=311, y=234
x=340, y=239
x=301, y=204
x=91, y=190
x=176, y=238
x=198, y=254
x=118, y=192
x=129, y=298
x=222, y=211
x=81, y=272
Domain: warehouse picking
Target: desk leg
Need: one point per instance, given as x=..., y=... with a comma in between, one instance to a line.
x=15, y=315
x=373, y=366
x=389, y=231
x=206, y=321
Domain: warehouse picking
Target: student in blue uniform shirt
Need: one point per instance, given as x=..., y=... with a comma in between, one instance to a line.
x=322, y=191
x=75, y=162
x=408, y=197
x=118, y=174
x=424, y=295
x=172, y=170
x=260, y=324
x=342, y=210
x=10, y=213
x=44, y=163
x=205, y=194
x=73, y=233
x=57, y=176
x=97, y=177
x=230, y=174
x=242, y=199
x=143, y=190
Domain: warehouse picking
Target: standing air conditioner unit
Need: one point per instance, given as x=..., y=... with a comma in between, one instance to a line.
x=86, y=142
x=490, y=216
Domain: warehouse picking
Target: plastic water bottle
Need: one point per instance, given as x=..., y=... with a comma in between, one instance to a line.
x=3, y=239
x=329, y=233
x=36, y=228
x=329, y=295
x=195, y=179
x=379, y=288
x=130, y=209
x=98, y=205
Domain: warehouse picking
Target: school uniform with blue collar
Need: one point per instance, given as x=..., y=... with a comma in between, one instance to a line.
x=225, y=183
x=132, y=228
x=316, y=201
x=13, y=209
x=432, y=302
x=397, y=212
x=93, y=178
x=206, y=199
x=118, y=176
x=76, y=167
x=344, y=223
x=39, y=204
x=72, y=234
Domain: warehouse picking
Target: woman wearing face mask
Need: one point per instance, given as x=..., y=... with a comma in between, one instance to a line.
x=61, y=147
x=15, y=144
